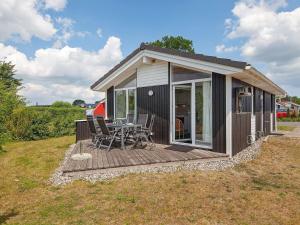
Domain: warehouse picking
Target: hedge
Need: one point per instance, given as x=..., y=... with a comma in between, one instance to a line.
x=34, y=123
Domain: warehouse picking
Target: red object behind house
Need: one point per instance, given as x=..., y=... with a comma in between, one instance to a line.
x=281, y=114
x=100, y=109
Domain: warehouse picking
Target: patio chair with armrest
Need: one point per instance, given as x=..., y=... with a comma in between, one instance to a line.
x=130, y=118
x=96, y=134
x=146, y=133
x=108, y=135
x=142, y=120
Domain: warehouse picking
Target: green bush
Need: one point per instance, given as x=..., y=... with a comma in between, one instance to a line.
x=34, y=123
x=61, y=104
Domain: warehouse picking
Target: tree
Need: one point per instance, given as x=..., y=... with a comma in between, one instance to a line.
x=9, y=98
x=61, y=104
x=7, y=73
x=78, y=102
x=178, y=43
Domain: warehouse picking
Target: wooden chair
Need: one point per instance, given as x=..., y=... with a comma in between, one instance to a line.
x=179, y=128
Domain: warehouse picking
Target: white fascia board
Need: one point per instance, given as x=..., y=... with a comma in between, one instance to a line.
x=193, y=63
x=277, y=90
x=111, y=77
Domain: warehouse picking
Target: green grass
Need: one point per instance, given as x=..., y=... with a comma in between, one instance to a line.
x=263, y=191
x=285, y=128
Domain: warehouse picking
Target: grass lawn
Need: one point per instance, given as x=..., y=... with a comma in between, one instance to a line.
x=263, y=191
x=285, y=128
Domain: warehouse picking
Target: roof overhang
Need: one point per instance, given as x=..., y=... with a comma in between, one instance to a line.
x=140, y=58
x=247, y=74
x=252, y=76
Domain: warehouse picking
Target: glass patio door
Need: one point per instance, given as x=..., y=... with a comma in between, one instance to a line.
x=182, y=112
x=203, y=115
x=192, y=114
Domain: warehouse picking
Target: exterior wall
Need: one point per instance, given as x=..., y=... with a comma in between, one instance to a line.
x=157, y=104
x=110, y=102
x=241, y=122
x=267, y=113
x=258, y=109
x=152, y=74
x=219, y=112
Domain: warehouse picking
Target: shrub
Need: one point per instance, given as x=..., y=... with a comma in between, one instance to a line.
x=33, y=123
x=61, y=104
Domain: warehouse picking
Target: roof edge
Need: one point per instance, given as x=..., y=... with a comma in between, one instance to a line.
x=200, y=57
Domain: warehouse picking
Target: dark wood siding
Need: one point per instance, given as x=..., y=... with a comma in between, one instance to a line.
x=241, y=129
x=110, y=102
x=273, y=106
x=267, y=113
x=258, y=109
x=219, y=112
x=246, y=101
x=82, y=130
x=158, y=104
x=241, y=121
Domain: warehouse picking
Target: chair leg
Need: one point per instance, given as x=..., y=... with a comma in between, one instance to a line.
x=111, y=141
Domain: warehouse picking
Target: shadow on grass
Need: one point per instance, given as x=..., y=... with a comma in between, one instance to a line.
x=7, y=215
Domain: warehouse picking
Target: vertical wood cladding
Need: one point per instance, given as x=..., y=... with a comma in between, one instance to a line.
x=246, y=100
x=219, y=112
x=258, y=109
x=273, y=106
x=158, y=104
x=241, y=129
x=241, y=121
x=110, y=102
x=82, y=130
x=267, y=112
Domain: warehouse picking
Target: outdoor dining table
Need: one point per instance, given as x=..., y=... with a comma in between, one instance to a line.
x=122, y=127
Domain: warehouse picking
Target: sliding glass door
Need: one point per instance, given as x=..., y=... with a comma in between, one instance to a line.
x=203, y=114
x=192, y=114
x=183, y=112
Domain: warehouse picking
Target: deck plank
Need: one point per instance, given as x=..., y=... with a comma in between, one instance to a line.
x=130, y=157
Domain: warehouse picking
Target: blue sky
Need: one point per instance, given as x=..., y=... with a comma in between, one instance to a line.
x=216, y=28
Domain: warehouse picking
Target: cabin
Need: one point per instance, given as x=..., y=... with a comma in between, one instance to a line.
x=202, y=101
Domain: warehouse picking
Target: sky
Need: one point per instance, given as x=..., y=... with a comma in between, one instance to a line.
x=60, y=47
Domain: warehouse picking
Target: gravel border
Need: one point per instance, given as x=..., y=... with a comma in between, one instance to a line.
x=216, y=164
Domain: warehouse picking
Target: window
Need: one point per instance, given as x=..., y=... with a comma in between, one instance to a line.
x=121, y=104
x=125, y=102
x=183, y=74
x=131, y=101
x=125, y=97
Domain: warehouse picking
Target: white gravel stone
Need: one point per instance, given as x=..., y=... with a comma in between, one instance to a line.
x=249, y=153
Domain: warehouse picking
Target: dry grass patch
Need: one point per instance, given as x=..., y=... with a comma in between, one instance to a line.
x=263, y=191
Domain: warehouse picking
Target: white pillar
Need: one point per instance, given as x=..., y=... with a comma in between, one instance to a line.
x=229, y=116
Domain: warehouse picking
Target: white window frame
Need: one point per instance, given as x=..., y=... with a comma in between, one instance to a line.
x=127, y=105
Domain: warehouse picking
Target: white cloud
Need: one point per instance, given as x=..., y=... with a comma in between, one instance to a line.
x=62, y=74
x=55, y=4
x=99, y=32
x=270, y=35
x=222, y=48
x=20, y=19
x=66, y=32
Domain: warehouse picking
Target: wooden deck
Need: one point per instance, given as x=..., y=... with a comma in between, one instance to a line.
x=102, y=159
